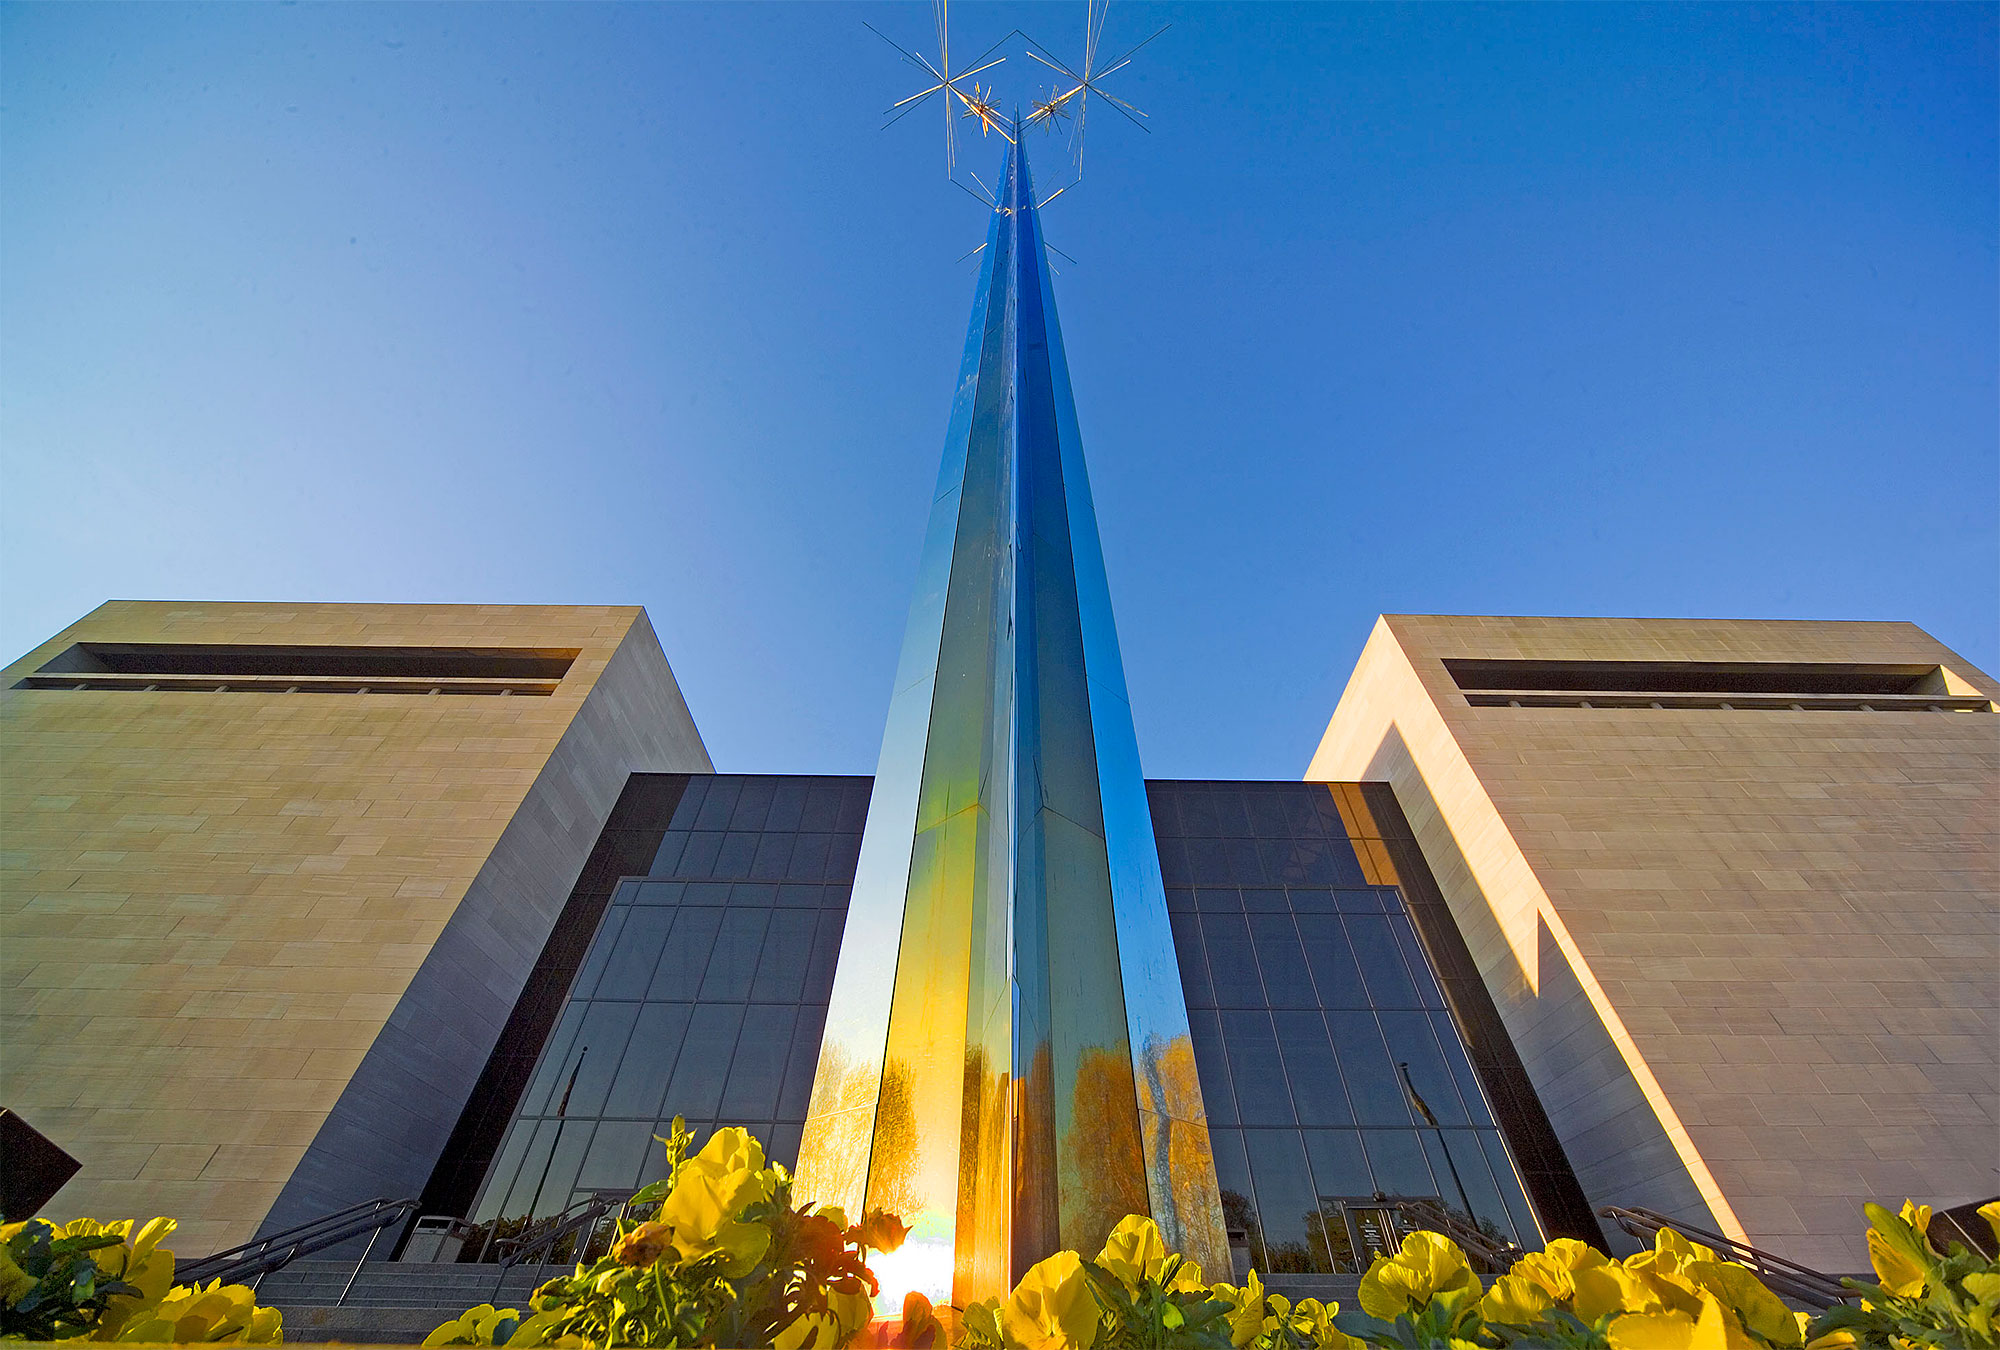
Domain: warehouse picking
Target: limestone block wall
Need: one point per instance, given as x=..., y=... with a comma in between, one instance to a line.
x=260, y=943
x=1748, y=955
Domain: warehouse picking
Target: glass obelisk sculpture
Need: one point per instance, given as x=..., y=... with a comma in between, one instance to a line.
x=1006, y=1061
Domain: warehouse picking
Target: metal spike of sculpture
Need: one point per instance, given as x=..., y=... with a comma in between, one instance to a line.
x=1006, y=1060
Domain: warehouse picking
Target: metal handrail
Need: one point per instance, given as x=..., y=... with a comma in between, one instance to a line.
x=582, y=1217
x=1497, y=1253
x=1783, y=1276
x=261, y=1256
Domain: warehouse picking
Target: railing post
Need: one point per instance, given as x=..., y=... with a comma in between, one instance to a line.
x=344, y=1289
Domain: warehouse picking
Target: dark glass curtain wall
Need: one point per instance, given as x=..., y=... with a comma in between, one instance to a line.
x=702, y=995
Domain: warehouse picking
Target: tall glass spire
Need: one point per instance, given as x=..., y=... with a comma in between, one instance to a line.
x=1006, y=1061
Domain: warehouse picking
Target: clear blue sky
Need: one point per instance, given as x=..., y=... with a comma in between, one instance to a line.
x=1575, y=309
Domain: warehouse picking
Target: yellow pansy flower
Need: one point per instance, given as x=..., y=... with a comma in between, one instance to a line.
x=1901, y=1264
x=140, y=1262
x=1427, y=1265
x=1547, y=1272
x=643, y=1245
x=1917, y=1216
x=852, y=1310
x=1676, y=1331
x=14, y=1282
x=1743, y=1294
x=1052, y=1307
x=733, y=1160
x=1515, y=1301
x=1247, y=1322
x=811, y=1331
x=474, y=1326
x=212, y=1312
x=1991, y=1213
x=1607, y=1289
x=702, y=1209
x=982, y=1318
x=1136, y=1252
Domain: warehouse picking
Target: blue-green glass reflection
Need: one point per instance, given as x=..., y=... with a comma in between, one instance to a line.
x=1007, y=1059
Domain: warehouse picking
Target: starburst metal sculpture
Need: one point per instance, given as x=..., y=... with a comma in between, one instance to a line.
x=1074, y=98
x=978, y=104
x=1067, y=103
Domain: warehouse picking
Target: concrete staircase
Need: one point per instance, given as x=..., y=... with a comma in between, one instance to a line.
x=401, y=1302
x=392, y=1302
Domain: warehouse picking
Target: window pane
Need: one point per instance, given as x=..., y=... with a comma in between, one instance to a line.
x=826, y=951
x=529, y=1179
x=600, y=1045
x=686, y=956
x=1261, y=1095
x=822, y=809
x=734, y=964
x=720, y=804
x=808, y=859
x=739, y=849
x=555, y=1061
x=1523, y=1214
x=1335, y=976
x=1341, y=868
x=1285, y=1199
x=1194, y=965
x=1282, y=961
x=757, y=1069
x=1428, y=992
x=617, y=1152
x=1457, y=1161
x=1398, y=1161
x=1317, y=1091
x=1231, y=966
x=1230, y=818
x=1239, y=1197
x=797, y=1096
x=1340, y=1168
x=601, y=948
x=667, y=861
x=1381, y=961
x=506, y=1170
x=1412, y=1042
x=554, y=1186
x=841, y=856
x=659, y=893
x=1461, y=1070
x=699, y=858
x=787, y=947
x=1197, y=813
x=753, y=895
x=783, y=1145
x=1222, y=899
x=751, y=806
x=691, y=800
x=649, y=1063
x=1267, y=814
x=630, y=969
x=788, y=804
x=696, y=1089
x=1373, y=1086
x=1208, y=862
x=1212, y=1066
x=774, y=856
